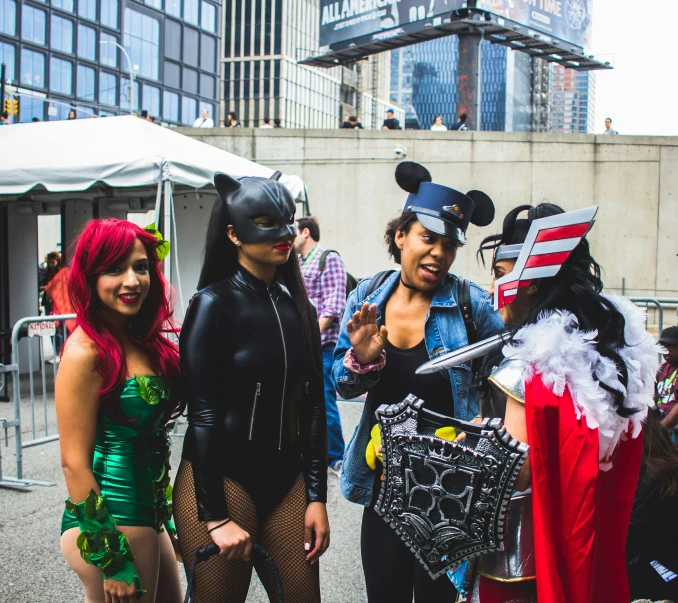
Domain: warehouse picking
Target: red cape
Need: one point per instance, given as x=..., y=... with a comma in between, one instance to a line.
x=581, y=514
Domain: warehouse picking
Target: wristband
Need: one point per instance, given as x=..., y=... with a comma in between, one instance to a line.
x=352, y=364
x=219, y=526
x=101, y=544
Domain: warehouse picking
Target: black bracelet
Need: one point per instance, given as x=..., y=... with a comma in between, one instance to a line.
x=219, y=526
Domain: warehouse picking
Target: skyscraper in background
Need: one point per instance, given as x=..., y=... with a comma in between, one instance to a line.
x=62, y=55
x=573, y=105
x=424, y=83
x=263, y=40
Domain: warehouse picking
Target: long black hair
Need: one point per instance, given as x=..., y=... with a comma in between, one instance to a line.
x=220, y=260
x=577, y=288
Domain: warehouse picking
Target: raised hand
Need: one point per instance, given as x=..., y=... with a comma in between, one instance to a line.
x=366, y=338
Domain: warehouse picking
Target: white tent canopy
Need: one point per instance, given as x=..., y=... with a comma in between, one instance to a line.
x=127, y=163
x=121, y=152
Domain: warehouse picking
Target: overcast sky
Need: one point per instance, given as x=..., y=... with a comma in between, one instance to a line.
x=641, y=93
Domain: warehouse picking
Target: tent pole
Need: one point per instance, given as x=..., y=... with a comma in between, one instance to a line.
x=158, y=204
x=175, y=247
x=167, y=227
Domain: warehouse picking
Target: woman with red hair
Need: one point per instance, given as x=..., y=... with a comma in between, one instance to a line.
x=113, y=400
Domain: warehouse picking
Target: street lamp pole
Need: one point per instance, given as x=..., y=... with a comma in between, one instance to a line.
x=130, y=70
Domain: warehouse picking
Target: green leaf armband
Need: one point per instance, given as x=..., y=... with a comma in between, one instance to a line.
x=101, y=544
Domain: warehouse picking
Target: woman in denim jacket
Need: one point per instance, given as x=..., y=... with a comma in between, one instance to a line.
x=419, y=305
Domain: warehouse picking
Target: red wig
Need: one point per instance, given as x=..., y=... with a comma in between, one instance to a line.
x=101, y=245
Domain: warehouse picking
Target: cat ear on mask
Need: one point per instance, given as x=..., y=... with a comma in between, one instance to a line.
x=225, y=185
x=275, y=176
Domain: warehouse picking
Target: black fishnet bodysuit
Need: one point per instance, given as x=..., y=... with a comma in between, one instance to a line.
x=280, y=532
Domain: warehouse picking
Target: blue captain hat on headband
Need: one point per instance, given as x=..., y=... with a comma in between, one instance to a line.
x=439, y=208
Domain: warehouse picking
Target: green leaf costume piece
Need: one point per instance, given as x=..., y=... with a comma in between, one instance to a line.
x=163, y=248
x=101, y=544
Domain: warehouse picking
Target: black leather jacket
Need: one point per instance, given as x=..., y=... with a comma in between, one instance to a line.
x=251, y=388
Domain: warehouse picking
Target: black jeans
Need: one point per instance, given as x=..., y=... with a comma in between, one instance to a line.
x=392, y=573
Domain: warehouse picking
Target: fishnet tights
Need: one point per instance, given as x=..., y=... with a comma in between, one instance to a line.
x=281, y=533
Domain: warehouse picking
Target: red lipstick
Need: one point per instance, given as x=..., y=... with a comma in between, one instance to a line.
x=130, y=298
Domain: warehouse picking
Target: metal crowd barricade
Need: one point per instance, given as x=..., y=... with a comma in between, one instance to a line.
x=35, y=327
x=647, y=301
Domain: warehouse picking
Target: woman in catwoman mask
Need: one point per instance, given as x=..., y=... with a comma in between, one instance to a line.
x=254, y=465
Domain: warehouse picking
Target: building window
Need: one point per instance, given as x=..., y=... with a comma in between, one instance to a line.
x=151, y=99
x=209, y=17
x=108, y=89
x=32, y=68
x=86, y=85
x=60, y=76
x=191, y=9
x=154, y=3
x=125, y=93
x=109, y=13
x=170, y=106
x=58, y=111
x=33, y=21
x=61, y=34
x=189, y=110
x=8, y=17
x=66, y=5
x=173, y=7
x=30, y=107
x=108, y=53
x=87, y=43
x=83, y=112
x=8, y=57
x=141, y=38
x=87, y=9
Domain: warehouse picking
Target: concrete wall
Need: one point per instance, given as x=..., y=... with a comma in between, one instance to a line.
x=352, y=191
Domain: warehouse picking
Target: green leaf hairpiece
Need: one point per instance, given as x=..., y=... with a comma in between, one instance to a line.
x=163, y=248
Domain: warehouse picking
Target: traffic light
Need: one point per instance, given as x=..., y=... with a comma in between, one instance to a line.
x=12, y=106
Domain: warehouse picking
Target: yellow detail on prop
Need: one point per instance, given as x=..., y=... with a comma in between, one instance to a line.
x=447, y=433
x=371, y=452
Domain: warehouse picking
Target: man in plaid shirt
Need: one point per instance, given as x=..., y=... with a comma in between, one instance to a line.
x=327, y=290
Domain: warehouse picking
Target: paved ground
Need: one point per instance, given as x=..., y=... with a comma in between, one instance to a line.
x=33, y=570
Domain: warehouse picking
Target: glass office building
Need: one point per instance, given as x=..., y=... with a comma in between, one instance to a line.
x=61, y=54
x=424, y=83
x=573, y=104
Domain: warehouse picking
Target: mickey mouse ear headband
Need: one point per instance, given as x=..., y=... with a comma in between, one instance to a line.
x=439, y=208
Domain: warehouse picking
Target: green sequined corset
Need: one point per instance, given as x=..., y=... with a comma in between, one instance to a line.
x=131, y=460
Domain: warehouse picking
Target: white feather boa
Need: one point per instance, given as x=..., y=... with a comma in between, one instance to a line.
x=563, y=356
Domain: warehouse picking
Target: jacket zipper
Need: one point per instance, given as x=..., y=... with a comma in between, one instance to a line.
x=254, y=408
x=282, y=336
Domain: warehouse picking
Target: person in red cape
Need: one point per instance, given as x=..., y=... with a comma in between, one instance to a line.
x=575, y=382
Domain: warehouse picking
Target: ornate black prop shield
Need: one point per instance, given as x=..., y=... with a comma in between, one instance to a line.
x=446, y=500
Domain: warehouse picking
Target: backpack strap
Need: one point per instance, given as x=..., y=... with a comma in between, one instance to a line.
x=377, y=281
x=464, y=294
x=323, y=259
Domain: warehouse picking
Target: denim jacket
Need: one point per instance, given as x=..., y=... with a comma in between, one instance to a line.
x=444, y=331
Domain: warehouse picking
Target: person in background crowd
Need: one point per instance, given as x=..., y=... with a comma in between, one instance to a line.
x=325, y=277
x=143, y=115
x=608, y=128
x=204, y=121
x=652, y=535
x=393, y=323
x=4, y=119
x=232, y=120
x=35, y=120
x=438, y=125
x=50, y=268
x=665, y=389
x=267, y=124
x=390, y=123
x=116, y=389
x=72, y=115
x=352, y=123
x=277, y=122
x=151, y=118
x=461, y=124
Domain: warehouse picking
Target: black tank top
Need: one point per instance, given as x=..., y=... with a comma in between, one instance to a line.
x=398, y=379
